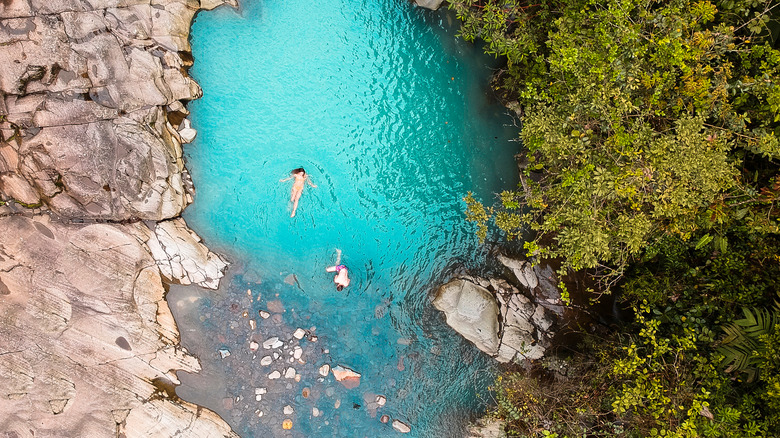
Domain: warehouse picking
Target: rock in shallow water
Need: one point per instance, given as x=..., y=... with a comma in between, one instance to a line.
x=472, y=311
x=402, y=427
x=348, y=377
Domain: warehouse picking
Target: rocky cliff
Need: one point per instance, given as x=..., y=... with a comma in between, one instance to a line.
x=92, y=182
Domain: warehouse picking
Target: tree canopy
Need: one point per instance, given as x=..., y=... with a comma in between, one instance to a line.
x=640, y=119
x=651, y=156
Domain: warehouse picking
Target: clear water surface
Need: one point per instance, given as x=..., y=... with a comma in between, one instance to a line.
x=388, y=113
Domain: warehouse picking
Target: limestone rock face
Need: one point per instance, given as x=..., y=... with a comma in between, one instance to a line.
x=90, y=99
x=472, y=311
x=86, y=335
x=182, y=257
x=91, y=128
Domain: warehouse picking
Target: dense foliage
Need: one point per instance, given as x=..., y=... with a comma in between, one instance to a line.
x=652, y=162
x=642, y=119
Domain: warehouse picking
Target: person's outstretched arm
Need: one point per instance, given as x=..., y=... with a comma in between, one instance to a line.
x=308, y=180
x=286, y=179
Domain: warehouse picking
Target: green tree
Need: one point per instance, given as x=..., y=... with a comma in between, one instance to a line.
x=641, y=120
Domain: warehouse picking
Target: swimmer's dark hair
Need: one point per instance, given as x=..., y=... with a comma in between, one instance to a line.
x=339, y=288
x=298, y=170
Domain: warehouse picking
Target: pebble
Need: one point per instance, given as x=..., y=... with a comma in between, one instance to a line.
x=288, y=410
x=289, y=373
x=224, y=352
x=297, y=352
x=315, y=412
x=287, y=424
x=299, y=333
x=400, y=426
x=381, y=400
x=258, y=397
x=252, y=324
x=270, y=342
x=275, y=375
x=264, y=314
x=384, y=418
x=260, y=390
x=266, y=360
x=254, y=346
x=313, y=338
x=259, y=413
x=276, y=355
x=324, y=370
x=305, y=393
x=337, y=404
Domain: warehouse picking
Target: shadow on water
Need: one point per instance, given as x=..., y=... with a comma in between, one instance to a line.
x=390, y=116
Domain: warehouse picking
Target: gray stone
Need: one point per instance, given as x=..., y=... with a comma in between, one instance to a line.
x=400, y=426
x=429, y=4
x=523, y=270
x=472, y=311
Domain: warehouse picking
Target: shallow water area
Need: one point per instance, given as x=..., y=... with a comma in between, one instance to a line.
x=388, y=113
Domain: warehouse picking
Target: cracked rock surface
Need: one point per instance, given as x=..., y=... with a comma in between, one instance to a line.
x=88, y=343
x=496, y=317
x=92, y=184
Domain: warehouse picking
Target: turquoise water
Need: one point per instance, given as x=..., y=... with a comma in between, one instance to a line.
x=388, y=113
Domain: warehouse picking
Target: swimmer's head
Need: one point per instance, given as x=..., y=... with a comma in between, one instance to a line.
x=299, y=170
x=339, y=288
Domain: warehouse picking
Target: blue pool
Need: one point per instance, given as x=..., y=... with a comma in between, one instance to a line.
x=390, y=116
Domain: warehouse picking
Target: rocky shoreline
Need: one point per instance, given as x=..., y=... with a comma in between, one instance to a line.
x=92, y=184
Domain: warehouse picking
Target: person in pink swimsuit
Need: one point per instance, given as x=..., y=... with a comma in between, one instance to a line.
x=342, y=273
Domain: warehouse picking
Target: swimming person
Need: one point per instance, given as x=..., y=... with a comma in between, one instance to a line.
x=300, y=177
x=342, y=276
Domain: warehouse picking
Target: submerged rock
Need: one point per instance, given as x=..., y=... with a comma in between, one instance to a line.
x=272, y=343
x=402, y=427
x=348, y=377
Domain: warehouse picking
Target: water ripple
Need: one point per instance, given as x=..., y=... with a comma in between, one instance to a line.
x=373, y=99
